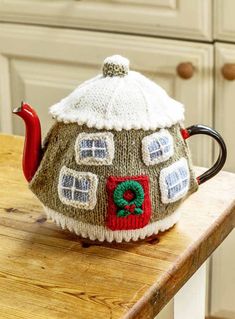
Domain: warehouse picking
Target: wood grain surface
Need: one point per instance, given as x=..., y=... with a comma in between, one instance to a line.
x=49, y=273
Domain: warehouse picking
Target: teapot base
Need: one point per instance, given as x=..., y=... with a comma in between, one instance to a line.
x=102, y=233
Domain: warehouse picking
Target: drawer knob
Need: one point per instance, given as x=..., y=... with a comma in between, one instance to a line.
x=185, y=70
x=228, y=71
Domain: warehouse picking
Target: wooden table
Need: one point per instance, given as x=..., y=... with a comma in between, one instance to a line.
x=49, y=273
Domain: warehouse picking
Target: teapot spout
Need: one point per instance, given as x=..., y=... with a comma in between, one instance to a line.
x=32, y=146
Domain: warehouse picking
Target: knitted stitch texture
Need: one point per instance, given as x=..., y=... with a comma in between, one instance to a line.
x=159, y=143
x=115, y=65
x=101, y=233
x=117, y=167
x=128, y=213
x=68, y=187
x=119, y=100
x=174, y=181
x=107, y=139
x=59, y=151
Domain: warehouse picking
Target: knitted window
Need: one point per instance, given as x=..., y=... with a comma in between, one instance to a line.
x=157, y=147
x=77, y=189
x=94, y=148
x=174, y=181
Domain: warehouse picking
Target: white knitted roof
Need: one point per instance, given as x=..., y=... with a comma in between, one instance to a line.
x=119, y=99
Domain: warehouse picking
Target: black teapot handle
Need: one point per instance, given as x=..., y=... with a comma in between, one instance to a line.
x=202, y=129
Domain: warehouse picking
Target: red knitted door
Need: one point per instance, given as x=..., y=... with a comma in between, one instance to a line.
x=129, y=205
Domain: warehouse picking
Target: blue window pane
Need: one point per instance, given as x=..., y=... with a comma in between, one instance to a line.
x=183, y=172
x=155, y=155
x=164, y=140
x=166, y=149
x=100, y=144
x=100, y=153
x=172, y=179
x=185, y=183
x=93, y=148
x=86, y=143
x=86, y=153
x=159, y=147
x=67, y=181
x=81, y=197
x=153, y=146
x=172, y=192
x=67, y=193
x=82, y=184
x=176, y=182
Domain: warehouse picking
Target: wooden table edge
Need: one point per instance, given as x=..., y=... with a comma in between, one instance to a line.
x=156, y=297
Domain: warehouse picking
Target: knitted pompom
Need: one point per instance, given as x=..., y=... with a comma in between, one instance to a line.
x=115, y=65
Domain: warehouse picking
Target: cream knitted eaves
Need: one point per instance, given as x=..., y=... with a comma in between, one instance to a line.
x=118, y=100
x=101, y=233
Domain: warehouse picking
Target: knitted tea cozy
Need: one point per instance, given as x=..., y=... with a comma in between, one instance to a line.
x=119, y=99
x=115, y=165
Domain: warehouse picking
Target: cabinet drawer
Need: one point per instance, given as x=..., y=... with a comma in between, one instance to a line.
x=41, y=65
x=169, y=18
x=224, y=22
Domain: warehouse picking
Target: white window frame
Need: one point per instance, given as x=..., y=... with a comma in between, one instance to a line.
x=163, y=185
x=93, y=179
x=105, y=136
x=155, y=136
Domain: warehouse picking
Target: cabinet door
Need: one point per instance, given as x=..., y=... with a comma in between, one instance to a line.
x=224, y=99
x=223, y=260
x=42, y=65
x=171, y=18
x=224, y=22
x=223, y=280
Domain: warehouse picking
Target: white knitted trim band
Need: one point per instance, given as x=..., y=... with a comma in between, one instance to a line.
x=101, y=233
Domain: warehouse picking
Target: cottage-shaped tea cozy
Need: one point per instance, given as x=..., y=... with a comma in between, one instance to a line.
x=115, y=165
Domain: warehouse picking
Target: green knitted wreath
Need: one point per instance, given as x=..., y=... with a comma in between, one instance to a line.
x=129, y=207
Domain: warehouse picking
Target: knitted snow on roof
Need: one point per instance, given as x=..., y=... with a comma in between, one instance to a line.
x=119, y=99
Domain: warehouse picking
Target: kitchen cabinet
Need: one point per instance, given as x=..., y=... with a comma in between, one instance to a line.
x=50, y=63
x=223, y=280
x=225, y=97
x=224, y=22
x=49, y=47
x=223, y=260
x=168, y=18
